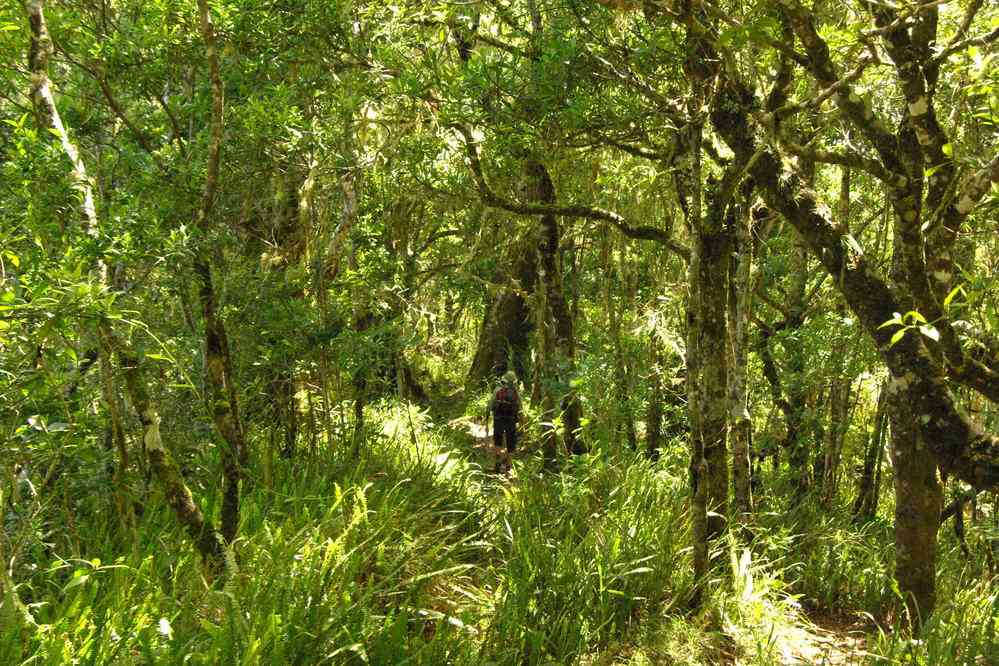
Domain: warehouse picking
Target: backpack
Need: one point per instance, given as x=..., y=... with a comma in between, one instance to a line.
x=506, y=402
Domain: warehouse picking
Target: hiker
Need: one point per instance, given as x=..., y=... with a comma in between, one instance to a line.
x=505, y=409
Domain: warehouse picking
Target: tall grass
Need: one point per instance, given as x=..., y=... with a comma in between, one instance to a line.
x=402, y=550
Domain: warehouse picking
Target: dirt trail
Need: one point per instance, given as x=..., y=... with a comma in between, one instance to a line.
x=481, y=436
x=830, y=640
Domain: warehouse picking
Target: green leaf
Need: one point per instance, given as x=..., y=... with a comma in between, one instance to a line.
x=899, y=334
x=930, y=331
x=854, y=245
x=948, y=149
x=953, y=293
x=639, y=570
x=915, y=316
x=896, y=320
x=79, y=578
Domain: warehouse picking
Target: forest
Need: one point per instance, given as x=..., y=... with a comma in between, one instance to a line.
x=282, y=282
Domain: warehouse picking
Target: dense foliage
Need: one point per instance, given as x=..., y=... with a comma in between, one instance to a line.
x=261, y=263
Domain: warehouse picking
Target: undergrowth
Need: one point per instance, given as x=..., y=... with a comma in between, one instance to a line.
x=402, y=550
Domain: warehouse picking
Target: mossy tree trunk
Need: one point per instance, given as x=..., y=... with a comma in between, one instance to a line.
x=165, y=470
x=504, y=336
x=715, y=242
x=958, y=445
x=918, y=503
x=220, y=385
x=559, y=317
x=739, y=311
x=163, y=467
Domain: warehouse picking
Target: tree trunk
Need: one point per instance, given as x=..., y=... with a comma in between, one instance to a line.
x=116, y=435
x=713, y=251
x=563, y=363
x=797, y=442
x=689, y=183
x=359, y=380
x=544, y=375
x=163, y=467
x=960, y=446
x=283, y=390
x=841, y=382
x=504, y=337
x=622, y=420
x=868, y=487
x=918, y=502
x=221, y=397
x=654, y=417
x=168, y=475
x=739, y=310
x=839, y=407
x=220, y=387
x=698, y=466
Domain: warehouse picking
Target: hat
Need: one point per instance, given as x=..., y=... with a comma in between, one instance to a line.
x=509, y=377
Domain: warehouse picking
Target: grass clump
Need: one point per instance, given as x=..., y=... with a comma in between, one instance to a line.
x=399, y=549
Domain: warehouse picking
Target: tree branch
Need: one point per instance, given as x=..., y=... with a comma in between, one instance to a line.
x=218, y=114
x=849, y=103
x=854, y=161
x=959, y=446
x=490, y=198
x=981, y=40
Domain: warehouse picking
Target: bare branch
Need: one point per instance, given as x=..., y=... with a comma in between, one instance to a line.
x=969, y=18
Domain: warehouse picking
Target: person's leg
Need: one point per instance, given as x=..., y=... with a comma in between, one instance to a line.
x=510, y=435
x=499, y=436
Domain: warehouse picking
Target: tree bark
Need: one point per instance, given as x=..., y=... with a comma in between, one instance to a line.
x=504, y=337
x=208, y=541
x=698, y=469
x=918, y=503
x=865, y=504
x=839, y=390
x=621, y=411
x=162, y=465
x=960, y=447
x=689, y=183
x=714, y=243
x=654, y=416
x=116, y=435
x=739, y=310
x=559, y=317
x=797, y=443
x=220, y=386
x=839, y=404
